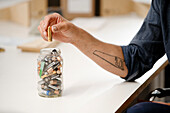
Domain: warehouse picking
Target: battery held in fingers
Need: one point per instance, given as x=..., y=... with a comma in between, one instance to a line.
x=2, y=49
x=49, y=34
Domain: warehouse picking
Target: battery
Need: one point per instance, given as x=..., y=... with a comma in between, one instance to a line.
x=55, y=82
x=44, y=76
x=46, y=92
x=47, y=79
x=55, y=76
x=60, y=66
x=2, y=49
x=43, y=86
x=41, y=68
x=58, y=72
x=52, y=64
x=59, y=58
x=41, y=82
x=50, y=70
x=54, y=58
x=57, y=92
x=49, y=34
x=55, y=67
x=54, y=87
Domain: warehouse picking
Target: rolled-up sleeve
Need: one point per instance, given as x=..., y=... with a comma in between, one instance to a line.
x=146, y=47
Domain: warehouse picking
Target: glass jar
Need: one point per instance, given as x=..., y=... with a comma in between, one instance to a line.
x=50, y=64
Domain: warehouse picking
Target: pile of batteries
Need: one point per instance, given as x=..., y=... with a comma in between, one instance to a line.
x=50, y=71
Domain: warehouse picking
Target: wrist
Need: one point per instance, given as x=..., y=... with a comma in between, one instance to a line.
x=85, y=41
x=79, y=37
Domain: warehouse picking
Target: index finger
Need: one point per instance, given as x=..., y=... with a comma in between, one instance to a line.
x=50, y=20
x=46, y=22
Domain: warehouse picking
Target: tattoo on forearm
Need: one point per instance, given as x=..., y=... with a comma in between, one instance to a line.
x=116, y=62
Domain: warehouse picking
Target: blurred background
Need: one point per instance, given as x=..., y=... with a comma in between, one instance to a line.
x=19, y=20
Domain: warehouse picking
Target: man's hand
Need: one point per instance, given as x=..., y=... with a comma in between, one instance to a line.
x=62, y=29
x=108, y=56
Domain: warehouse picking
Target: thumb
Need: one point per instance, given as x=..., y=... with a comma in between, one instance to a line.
x=60, y=27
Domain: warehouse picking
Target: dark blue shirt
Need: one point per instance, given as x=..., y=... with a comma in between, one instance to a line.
x=151, y=42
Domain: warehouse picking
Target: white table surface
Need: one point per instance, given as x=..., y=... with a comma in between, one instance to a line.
x=87, y=87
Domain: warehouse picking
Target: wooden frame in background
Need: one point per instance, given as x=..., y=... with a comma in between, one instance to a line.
x=115, y=7
x=18, y=12
x=68, y=15
x=121, y=7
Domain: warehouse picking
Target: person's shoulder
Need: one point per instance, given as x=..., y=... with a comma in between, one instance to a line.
x=156, y=3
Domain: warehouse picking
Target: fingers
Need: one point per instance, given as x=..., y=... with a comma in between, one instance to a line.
x=48, y=21
x=42, y=34
x=55, y=20
x=52, y=19
x=42, y=28
x=64, y=26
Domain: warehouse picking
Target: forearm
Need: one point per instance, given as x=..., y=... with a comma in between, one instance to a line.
x=108, y=56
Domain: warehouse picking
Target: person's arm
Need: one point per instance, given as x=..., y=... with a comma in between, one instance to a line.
x=129, y=62
x=147, y=46
x=108, y=56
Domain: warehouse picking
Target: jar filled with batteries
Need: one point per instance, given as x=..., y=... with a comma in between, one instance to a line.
x=50, y=64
